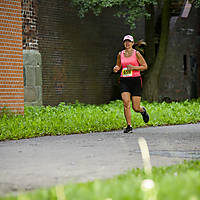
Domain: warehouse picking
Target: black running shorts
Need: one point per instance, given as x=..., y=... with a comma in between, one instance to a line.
x=132, y=85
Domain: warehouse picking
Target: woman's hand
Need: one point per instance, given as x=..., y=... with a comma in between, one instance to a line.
x=116, y=68
x=130, y=67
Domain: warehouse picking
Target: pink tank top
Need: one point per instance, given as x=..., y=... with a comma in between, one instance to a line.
x=127, y=61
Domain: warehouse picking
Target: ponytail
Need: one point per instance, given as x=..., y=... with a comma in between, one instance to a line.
x=139, y=45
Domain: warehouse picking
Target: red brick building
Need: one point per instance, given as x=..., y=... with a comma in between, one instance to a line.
x=11, y=56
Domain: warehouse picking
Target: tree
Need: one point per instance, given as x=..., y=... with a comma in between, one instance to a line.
x=131, y=10
x=151, y=86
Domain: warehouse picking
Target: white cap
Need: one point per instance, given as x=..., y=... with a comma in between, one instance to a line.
x=128, y=37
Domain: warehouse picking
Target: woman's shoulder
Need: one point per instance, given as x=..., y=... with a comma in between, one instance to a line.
x=120, y=52
x=137, y=53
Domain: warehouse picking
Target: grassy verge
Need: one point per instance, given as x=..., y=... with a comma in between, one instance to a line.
x=178, y=182
x=80, y=118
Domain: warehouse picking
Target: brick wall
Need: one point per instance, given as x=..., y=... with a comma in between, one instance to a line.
x=78, y=54
x=30, y=25
x=11, y=58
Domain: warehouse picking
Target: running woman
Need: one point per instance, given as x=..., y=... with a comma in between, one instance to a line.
x=131, y=62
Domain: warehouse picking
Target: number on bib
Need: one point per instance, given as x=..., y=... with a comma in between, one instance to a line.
x=126, y=72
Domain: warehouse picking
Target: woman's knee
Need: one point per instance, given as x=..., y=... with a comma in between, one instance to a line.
x=126, y=100
x=136, y=108
x=127, y=105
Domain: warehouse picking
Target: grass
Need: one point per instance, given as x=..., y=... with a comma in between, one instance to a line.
x=178, y=182
x=80, y=118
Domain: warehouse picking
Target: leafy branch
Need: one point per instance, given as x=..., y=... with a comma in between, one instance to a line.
x=130, y=10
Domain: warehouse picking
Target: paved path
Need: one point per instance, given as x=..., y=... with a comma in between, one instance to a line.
x=45, y=161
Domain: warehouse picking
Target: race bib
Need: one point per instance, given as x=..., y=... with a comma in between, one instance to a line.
x=126, y=72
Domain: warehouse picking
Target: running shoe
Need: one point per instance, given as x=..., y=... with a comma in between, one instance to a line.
x=128, y=129
x=145, y=115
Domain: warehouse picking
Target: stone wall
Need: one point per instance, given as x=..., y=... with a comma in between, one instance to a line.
x=78, y=54
x=180, y=78
x=32, y=77
x=11, y=60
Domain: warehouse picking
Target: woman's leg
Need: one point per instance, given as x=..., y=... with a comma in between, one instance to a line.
x=137, y=108
x=136, y=104
x=126, y=97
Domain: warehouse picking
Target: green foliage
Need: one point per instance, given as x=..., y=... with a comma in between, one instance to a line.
x=80, y=118
x=196, y=3
x=129, y=9
x=178, y=182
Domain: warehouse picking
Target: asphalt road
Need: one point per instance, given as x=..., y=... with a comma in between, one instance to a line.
x=42, y=162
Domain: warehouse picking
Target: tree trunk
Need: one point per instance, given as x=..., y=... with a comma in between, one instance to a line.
x=150, y=35
x=151, y=86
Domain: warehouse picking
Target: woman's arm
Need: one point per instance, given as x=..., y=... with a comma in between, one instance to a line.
x=118, y=65
x=143, y=65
